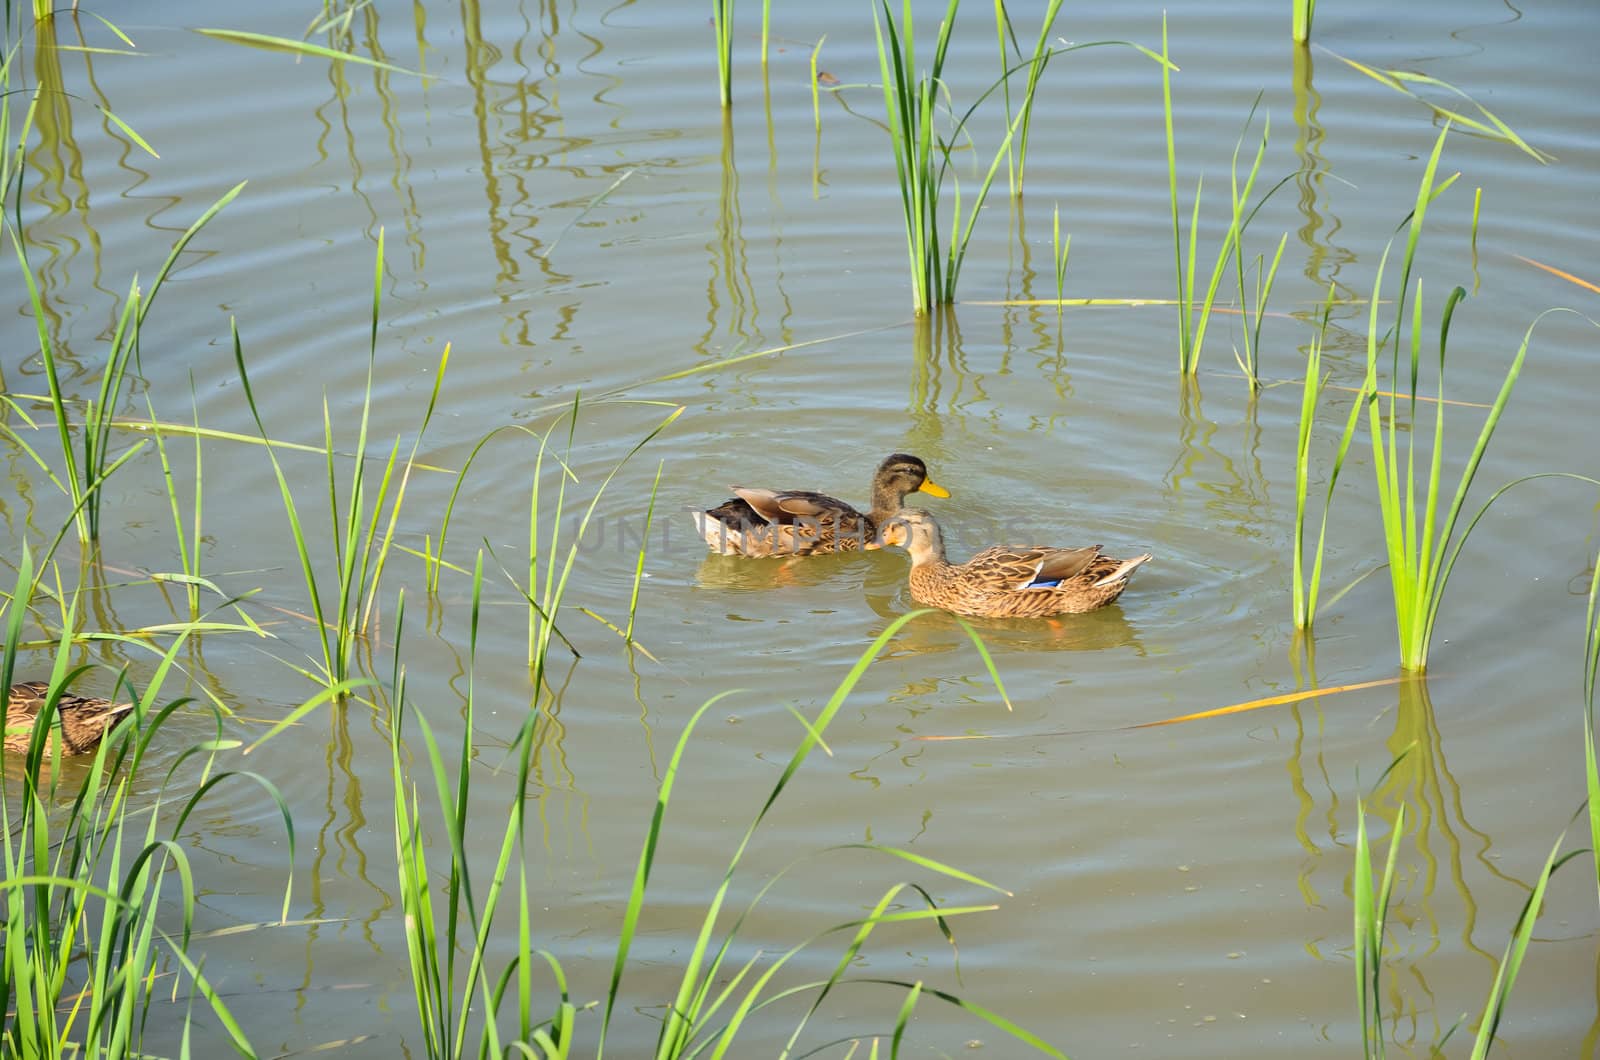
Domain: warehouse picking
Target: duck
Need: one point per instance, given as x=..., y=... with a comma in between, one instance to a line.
x=766, y=522
x=1007, y=581
x=81, y=720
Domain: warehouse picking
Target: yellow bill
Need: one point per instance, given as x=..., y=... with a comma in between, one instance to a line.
x=930, y=486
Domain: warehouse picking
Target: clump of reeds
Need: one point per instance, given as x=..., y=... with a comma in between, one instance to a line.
x=82, y=475
x=453, y=914
x=1038, y=59
x=1307, y=587
x=922, y=154
x=87, y=866
x=360, y=538
x=1192, y=328
x=1420, y=544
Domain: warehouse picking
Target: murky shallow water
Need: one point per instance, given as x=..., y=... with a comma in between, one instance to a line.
x=1179, y=891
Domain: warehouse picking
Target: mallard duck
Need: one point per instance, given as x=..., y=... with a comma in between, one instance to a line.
x=764, y=522
x=83, y=720
x=1007, y=581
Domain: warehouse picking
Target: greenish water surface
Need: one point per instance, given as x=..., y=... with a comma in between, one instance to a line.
x=1178, y=891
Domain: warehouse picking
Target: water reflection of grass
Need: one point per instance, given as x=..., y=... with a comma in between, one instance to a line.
x=1372, y=912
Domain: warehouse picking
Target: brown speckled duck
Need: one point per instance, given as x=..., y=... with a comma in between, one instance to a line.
x=83, y=720
x=1007, y=581
x=766, y=522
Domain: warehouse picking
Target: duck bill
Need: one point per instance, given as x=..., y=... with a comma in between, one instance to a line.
x=931, y=487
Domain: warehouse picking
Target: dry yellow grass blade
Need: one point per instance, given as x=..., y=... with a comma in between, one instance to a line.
x=1422, y=399
x=1236, y=708
x=1552, y=270
x=1135, y=303
x=1268, y=701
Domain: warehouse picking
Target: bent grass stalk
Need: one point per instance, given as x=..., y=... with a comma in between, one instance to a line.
x=290, y=46
x=1490, y=127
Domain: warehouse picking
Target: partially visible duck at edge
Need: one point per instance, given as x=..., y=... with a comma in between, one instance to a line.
x=83, y=720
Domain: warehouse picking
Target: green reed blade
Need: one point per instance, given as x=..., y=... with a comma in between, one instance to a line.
x=1172, y=198
x=903, y=1019
x=722, y=28
x=1511, y=962
x=1039, y=59
x=641, y=875
x=1435, y=593
x=1591, y=768
x=1301, y=13
x=638, y=570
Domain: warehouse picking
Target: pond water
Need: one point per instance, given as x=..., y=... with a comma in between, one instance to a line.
x=1178, y=891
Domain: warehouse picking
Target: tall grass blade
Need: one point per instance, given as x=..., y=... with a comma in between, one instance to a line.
x=1510, y=965
x=1307, y=588
x=722, y=28
x=1302, y=12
